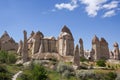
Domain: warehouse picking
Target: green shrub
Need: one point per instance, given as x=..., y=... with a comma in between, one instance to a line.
x=111, y=76
x=11, y=58
x=91, y=75
x=6, y=57
x=3, y=56
x=4, y=74
x=24, y=77
x=19, y=65
x=39, y=72
x=101, y=63
x=35, y=72
x=85, y=75
x=82, y=59
x=65, y=70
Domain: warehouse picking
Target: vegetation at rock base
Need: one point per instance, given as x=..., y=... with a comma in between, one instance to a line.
x=101, y=63
x=35, y=72
x=62, y=71
x=6, y=57
x=4, y=74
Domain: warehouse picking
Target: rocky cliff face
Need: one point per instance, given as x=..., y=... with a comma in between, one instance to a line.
x=7, y=43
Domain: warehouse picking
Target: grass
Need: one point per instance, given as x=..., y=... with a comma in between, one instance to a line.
x=54, y=75
x=13, y=68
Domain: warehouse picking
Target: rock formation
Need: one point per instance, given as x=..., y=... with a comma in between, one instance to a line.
x=25, y=48
x=100, y=48
x=104, y=50
x=81, y=48
x=116, y=51
x=76, y=56
x=96, y=47
x=39, y=45
x=41, y=48
x=36, y=42
x=7, y=43
x=65, y=42
x=20, y=47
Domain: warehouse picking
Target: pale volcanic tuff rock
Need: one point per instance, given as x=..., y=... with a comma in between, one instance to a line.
x=7, y=43
x=95, y=40
x=81, y=48
x=36, y=42
x=20, y=47
x=116, y=51
x=38, y=45
x=100, y=47
x=115, y=54
x=65, y=42
x=76, y=56
x=65, y=30
x=25, y=55
x=104, y=50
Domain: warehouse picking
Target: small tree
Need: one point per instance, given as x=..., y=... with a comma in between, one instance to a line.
x=4, y=74
x=101, y=63
x=3, y=56
x=82, y=59
x=6, y=57
x=11, y=58
x=39, y=72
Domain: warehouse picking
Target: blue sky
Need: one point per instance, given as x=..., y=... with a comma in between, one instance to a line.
x=85, y=18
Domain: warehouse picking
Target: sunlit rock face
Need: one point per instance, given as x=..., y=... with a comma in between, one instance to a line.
x=100, y=48
x=81, y=48
x=65, y=42
x=115, y=53
x=76, y=56
x=37, y=43
x=7, y=43
x=20, y=47
x=25, y=55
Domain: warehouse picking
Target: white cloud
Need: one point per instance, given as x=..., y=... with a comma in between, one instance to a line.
x=109, y=13
x=70, y=6
x=113, y=4
x=74, y=1
x=92, y=6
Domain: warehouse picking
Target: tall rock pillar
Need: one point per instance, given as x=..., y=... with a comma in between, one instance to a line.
x=116, y=51
x=76, y=56
x=81, y=48
x=25, y=48
x=96, y=47
x=104, y=50
x=20, y=47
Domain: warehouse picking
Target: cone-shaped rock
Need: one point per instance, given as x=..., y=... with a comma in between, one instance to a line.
x=76, y=56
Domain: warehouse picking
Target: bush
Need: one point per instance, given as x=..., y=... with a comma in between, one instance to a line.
x=4, y=74
x=101, y=63
x=118, y=76
x=82, y=59
x=11, y=58
x=24, y=77
x=6, y=57
x=65, y=70
x=111, y=76
x=85, y=74
x=3, y=56
x=39, y=72
x=91, y=75
x=35, y=72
